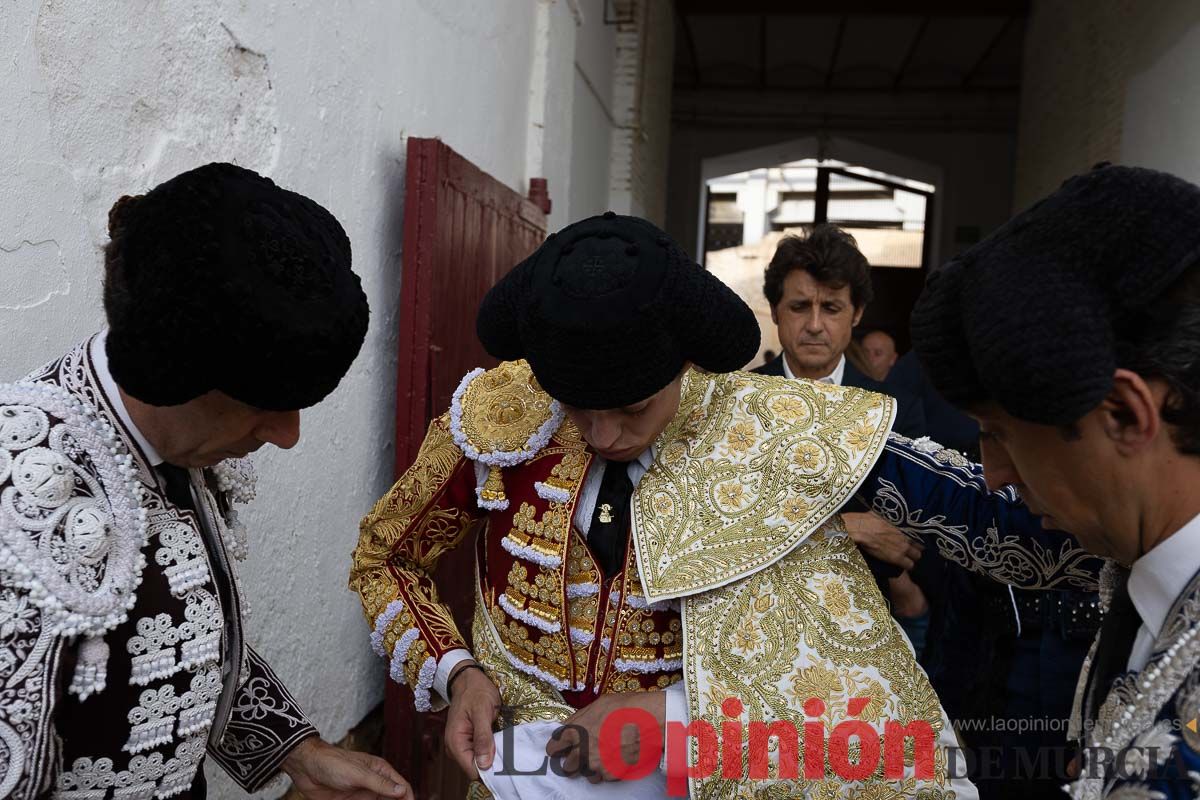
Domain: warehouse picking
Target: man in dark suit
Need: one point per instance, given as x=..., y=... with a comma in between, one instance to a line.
x=818, y=286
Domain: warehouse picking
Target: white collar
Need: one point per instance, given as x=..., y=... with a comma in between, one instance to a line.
x=834, y=377
x=1157, y=579
x=100, y=364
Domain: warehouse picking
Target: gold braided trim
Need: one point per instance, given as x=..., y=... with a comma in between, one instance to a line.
x=525, y=697
x=407, y=531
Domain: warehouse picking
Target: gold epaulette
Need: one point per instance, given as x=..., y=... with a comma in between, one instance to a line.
x=502, y=417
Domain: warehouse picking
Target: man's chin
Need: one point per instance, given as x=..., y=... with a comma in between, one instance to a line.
x=811, y=358
x=627, y=454
x=212, y=459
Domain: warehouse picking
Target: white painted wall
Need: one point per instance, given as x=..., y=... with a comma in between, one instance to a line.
x=592, y=115
x=99, y=100
x=1162, y=102
x=1107, y=80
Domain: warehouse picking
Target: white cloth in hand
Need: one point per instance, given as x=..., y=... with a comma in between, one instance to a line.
x=528, y=744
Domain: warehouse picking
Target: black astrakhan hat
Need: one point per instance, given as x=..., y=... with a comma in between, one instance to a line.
x=219, y=279
x=1026, y=318
x=608, y=310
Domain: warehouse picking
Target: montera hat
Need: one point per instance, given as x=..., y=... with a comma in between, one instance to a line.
x=220, y=280
x=1032, y=317
x=610, y=309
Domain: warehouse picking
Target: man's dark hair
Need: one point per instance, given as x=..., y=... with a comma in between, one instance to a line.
x=116, y=289
x=827, y=253
x=1163, y=342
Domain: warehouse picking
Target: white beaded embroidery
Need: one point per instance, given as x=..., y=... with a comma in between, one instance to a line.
x=72, y=527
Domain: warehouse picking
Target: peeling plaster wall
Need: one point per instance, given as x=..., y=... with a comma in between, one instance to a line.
x=99, y=100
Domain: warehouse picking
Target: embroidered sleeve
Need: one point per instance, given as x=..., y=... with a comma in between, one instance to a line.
x=425, y=514
x=27, y=694
x=927, y=490
x=266, y=724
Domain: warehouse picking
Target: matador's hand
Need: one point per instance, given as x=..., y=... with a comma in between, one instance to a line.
x=578, y=741
x=474, y=704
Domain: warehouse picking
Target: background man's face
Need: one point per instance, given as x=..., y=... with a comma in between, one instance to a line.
x=622, y=434
x=814, y=322
x=880, y=350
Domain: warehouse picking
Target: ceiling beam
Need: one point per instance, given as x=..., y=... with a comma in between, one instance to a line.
x=837, y=51
x=911, y=8
x=912, y=51
x=987, y=52
x=690, y=40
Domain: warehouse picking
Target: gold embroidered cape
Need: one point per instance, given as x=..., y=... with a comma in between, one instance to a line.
x=736, y=520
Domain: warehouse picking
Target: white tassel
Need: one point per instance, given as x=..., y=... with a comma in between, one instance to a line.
x=91, y=671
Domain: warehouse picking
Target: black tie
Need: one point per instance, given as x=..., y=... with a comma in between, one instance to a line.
x=178, y=485
x=610, y=520
x=1117, y=633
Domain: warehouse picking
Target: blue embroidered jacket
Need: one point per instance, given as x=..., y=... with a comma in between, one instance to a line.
x=1142, y=743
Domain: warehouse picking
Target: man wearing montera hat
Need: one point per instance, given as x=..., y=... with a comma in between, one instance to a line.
x=1072, y=334
x=660, y=529
x=231, y=306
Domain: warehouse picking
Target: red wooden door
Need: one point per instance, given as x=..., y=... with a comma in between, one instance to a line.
x=463, y=230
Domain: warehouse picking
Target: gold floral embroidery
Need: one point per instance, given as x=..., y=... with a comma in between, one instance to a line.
x=746, y=636
x=807, y=651
x=404, y=536
x=837, y=599
x=674, y=453
x=748, y=468
x=790, y=408
x=807, y=456
x=860, y=436
x=742, y=437
x=794, y=509
x=816, y=681
x=730, y=495
x=663, y=505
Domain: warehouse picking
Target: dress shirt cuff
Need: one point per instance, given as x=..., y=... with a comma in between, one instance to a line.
x=677, y=711
x=445, y=667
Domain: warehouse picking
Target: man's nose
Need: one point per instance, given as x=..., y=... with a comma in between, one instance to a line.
x=812, y=321
x=605, y=432
x=280, y=428
x=998, y=469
